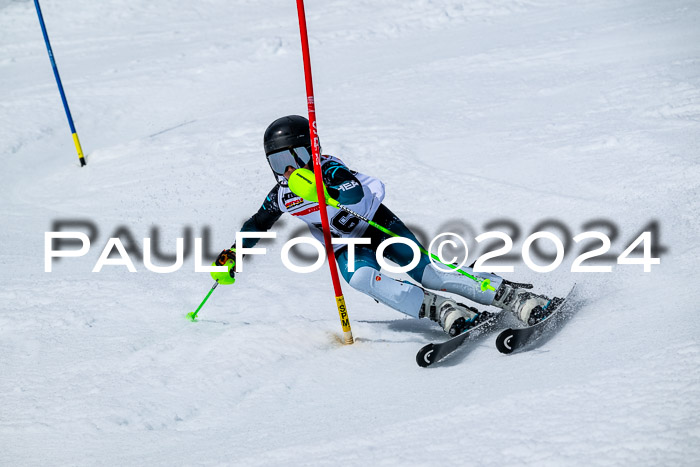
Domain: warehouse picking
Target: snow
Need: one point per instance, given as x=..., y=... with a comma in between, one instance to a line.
x=472, y=113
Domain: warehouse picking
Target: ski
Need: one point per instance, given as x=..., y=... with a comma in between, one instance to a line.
x=434, y=352
x=512, y=340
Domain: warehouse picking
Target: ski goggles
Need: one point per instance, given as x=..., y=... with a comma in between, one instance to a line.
x=295, y=157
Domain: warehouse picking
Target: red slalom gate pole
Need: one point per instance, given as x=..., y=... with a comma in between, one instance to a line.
x=316, y=155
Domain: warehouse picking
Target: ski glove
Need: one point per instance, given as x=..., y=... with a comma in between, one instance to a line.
x=226, y=258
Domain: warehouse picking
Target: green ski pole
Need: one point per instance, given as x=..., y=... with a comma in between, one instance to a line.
x=485, y=283
x=301, y=184
x=192, y=316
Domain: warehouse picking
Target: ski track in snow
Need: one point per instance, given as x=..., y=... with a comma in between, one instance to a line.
x=470, y=112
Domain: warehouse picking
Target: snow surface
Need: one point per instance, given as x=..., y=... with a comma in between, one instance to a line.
x=469, y=111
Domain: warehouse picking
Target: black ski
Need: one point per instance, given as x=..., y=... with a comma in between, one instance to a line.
x=433, y=352
x=512, y=340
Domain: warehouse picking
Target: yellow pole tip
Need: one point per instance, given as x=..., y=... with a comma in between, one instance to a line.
x=348, y=337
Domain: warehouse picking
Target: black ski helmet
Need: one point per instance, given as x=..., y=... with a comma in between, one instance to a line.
x=287, y=141
x=287, y=132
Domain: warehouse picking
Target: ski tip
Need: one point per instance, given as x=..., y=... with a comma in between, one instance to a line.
x=426, y=356
x=504, y=341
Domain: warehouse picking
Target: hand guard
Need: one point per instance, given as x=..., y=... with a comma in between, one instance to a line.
x=303, y=184
x=226, y=258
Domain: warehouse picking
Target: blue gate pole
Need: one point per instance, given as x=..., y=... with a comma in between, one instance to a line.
x=76, y=141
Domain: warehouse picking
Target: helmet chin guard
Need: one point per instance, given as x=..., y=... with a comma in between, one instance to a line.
x=281, y=181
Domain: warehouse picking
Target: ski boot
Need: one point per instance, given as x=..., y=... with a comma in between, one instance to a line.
x=454, y=317
x=528, y=307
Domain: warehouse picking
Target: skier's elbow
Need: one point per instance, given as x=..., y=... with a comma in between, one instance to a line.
x=351, y=196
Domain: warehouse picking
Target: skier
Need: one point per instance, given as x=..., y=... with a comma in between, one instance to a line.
x=287, y=146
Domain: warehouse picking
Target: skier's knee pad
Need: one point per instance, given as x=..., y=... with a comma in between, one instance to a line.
x=401, y=296
x=362, y=279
